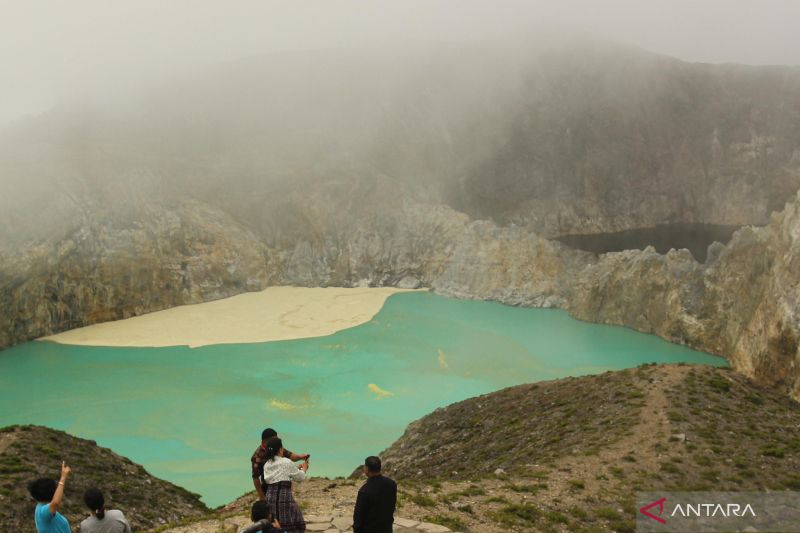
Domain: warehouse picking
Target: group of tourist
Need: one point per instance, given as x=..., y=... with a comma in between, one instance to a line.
x=274, y=470
x=276, y=511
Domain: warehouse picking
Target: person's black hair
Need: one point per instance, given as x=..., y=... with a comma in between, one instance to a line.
x=268, y=434
x=94, y=500
x=373, y=464
x=274, y=446
x=260, y=511
x=43, y=489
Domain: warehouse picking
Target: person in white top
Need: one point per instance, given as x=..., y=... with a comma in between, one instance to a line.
x=102, y=521
x=279, y=472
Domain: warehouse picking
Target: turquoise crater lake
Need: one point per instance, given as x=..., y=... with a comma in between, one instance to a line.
x=194, y=415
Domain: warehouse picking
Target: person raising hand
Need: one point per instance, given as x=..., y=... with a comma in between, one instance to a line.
x=48, y=495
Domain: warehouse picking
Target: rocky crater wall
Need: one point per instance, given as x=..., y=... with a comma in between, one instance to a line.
x=741, y=304
x=441, y=168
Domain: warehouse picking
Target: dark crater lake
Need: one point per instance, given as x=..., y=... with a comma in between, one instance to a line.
x=694, y=237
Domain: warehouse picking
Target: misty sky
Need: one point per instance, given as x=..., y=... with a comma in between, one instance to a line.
x=55, y=51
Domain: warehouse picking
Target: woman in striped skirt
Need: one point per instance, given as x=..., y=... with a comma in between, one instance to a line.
x=279, y=472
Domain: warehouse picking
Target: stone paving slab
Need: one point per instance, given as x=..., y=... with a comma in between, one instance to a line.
x=314, y=524
x=342, y=524
x=431, y=528
x=312, y=518
x=405, y=522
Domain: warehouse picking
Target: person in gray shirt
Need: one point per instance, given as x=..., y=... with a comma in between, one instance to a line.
x=102, y=521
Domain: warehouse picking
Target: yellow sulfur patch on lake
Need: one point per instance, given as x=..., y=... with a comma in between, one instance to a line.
x=277, y=313
x=443, y=359
x=379, y=392
x=284, y=406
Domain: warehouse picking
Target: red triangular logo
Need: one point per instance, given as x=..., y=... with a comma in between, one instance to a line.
x=660, y=505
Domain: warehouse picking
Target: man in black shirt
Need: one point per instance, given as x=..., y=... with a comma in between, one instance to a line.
x=374, y=512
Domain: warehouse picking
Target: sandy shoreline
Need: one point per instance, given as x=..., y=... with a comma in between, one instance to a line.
x=277, y=313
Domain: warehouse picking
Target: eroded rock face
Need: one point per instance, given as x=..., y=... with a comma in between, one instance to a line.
x=740, y=304
x=509, y=265
x=410, y=241
x=106, y=271
x=766, y=347
x=641, y=289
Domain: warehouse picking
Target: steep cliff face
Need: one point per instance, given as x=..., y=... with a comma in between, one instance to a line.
x=386, y=237
x=104, y=270
x=641, y=289
x=766, y=346
x=510, y=265
x=740, y=304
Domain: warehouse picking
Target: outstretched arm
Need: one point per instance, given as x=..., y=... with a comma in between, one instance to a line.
x=55, y=503
x=298, y=473
x=297, y=456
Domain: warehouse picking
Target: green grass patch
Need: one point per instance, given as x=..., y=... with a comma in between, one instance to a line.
x=423, y=500
x=517, y=514
x=608, y=513
x=452, y=522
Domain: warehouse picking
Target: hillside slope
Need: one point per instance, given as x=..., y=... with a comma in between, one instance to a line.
x=573, y=452
x=28, y=452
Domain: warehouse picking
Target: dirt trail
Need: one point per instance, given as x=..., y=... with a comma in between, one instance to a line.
x=653, y=427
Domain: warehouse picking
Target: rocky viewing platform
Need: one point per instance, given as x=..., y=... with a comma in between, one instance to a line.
x=318, y=523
